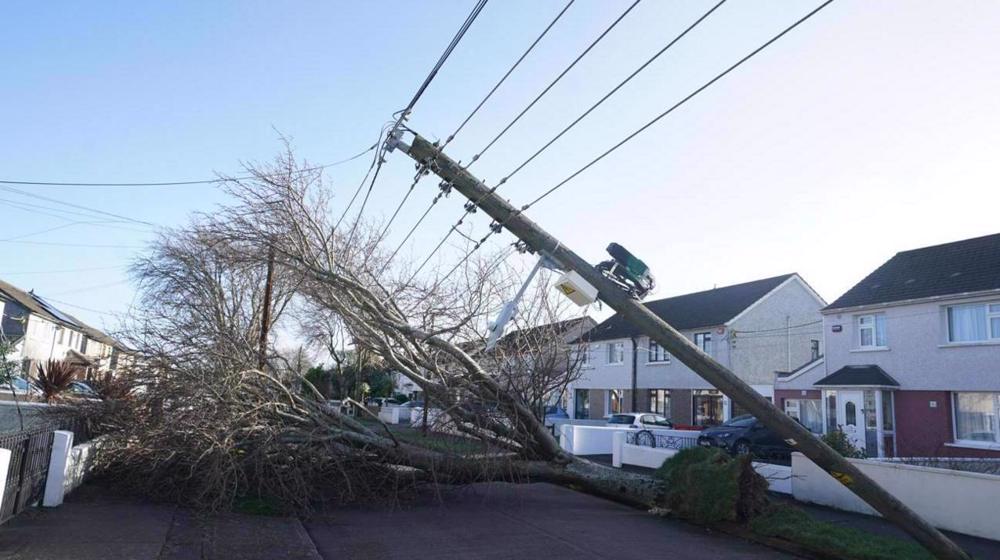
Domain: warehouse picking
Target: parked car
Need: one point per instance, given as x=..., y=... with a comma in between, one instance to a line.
x=21, y=387
x=412, y=404
x=745, y=434
x=81, y=390
x=640, y=420
x=382, y=401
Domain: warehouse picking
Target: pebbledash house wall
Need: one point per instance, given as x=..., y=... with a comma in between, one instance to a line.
x=735, y=345
x=927, y=367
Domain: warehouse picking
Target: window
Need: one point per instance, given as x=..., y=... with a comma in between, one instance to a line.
x=871, y=331
x=703, y=340
x=814, y=350
x=976, y=417
x=659, y=401
x=616, y=353
x=657, y=355
x=62, y=333
x=975, y=322
x=831, y=411
x=809, y=413
x=850, y=414
x=581, y=404
x=706, y=407
x=585, y=355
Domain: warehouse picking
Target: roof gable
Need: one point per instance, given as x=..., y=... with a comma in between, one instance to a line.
x=971, y=265
x=690, y=311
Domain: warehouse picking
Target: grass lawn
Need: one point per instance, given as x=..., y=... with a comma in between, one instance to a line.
x=793, y=524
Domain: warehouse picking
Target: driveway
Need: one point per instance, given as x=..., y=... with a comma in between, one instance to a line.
x=485, y=521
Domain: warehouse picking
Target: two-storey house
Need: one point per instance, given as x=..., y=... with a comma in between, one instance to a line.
x=37, y=331
x=755, y=329
x=912, y=364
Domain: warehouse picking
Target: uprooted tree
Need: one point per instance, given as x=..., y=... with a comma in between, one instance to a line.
x=209, y=428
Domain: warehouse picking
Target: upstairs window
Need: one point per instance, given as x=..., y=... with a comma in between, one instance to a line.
x=616, y=353
x=814, y=349
x=871, y=331
x=657, y=355
x=584, y=355
x=703, y=340
x=975, y=322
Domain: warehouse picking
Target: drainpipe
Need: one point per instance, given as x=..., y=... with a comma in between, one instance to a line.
x=635, y=371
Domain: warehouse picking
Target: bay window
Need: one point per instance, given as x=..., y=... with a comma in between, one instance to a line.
x=871, y=331
x=974, y=322
x=976, y=417
x=809, y=413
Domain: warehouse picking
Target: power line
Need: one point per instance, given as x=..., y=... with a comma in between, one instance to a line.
x=613, y=91
x=172, y=183
x=678, y=104
x=61, y=271
x=565, y=71
x=57, y=244
x=452, y=136
x=637, y=71
x=404, y=114
x=496, y=227
x=517, y=63
x=108, y=313
x=72, y=205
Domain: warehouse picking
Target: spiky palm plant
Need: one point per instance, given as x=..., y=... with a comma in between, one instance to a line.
x=55, y=377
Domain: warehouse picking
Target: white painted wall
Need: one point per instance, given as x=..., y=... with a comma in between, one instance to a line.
x=394, y=414
x=955, y=500
x=918, y=354
x=587, y=440
x=779, y=477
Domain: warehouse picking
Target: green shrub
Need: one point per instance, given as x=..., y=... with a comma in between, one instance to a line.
x=706, y=485
x=838, y=440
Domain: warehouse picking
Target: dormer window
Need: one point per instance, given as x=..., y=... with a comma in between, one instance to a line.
x=871, y=331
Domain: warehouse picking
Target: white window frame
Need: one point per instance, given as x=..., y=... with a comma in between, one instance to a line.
x=706, y=341
x=656, y=354
x=954, y=422
x=875, y=318
x=585, y=355
x=990, y=315
x=616, y=349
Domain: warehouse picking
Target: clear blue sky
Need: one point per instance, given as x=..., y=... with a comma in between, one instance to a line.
x=870, y=129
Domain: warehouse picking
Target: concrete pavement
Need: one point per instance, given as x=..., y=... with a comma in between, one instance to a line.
x=485, y=521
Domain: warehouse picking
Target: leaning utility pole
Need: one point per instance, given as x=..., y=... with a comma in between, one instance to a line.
x=796, y=435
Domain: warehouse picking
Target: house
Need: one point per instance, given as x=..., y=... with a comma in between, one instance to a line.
x=754, y=329
x=912, y=364
x=525, y=358
x=37, y=331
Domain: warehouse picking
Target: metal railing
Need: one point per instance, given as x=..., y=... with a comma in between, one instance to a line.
x=30, y=451
x=646, y=438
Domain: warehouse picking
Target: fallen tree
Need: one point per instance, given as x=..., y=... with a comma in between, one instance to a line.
x=209, y=428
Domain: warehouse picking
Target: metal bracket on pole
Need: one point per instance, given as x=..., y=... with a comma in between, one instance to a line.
x=510, y=308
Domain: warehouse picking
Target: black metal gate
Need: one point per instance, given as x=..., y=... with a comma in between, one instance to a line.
x=29, y=466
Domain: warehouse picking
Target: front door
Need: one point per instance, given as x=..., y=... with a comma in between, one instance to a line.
x=850, y=416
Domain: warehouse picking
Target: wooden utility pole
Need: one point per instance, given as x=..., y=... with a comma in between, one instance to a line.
x=265, y=320
x=681, y=348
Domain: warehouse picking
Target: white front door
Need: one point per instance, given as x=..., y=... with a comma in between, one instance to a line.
x=850, y=416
